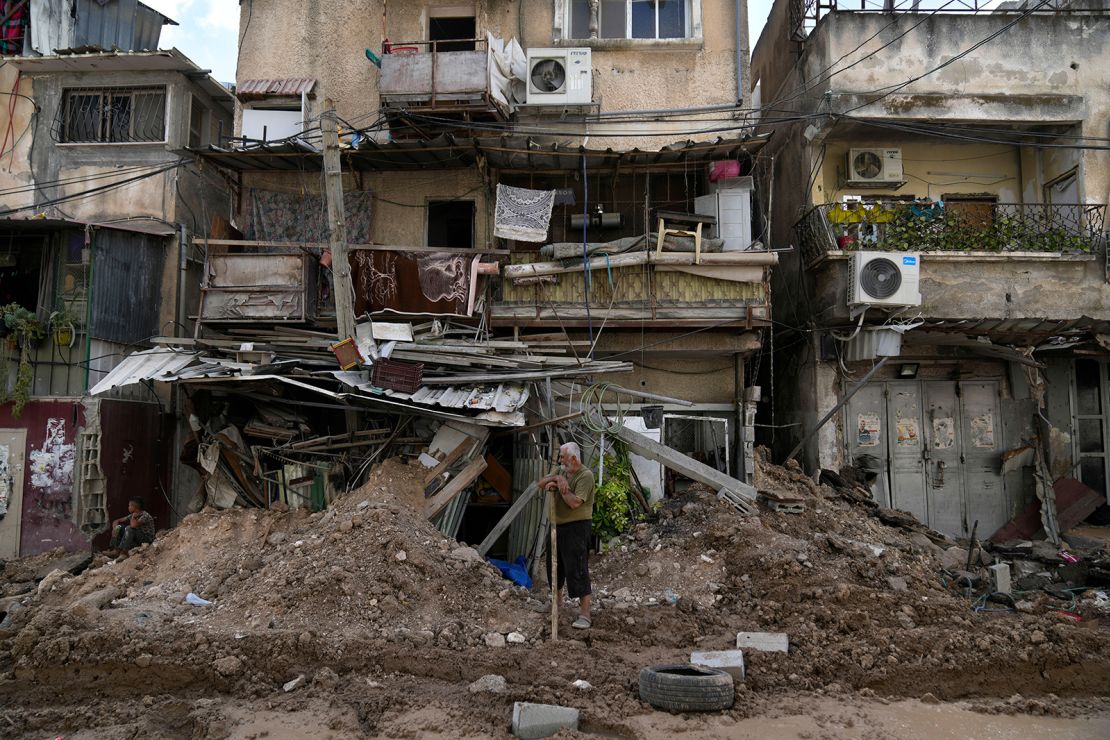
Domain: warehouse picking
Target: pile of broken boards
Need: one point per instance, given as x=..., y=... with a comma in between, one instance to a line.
x=285, y=415
x=1016, y=575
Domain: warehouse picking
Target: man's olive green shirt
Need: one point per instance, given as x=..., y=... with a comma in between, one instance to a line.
x=582, y=486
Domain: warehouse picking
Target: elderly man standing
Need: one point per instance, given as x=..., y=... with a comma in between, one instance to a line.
x=573, y=489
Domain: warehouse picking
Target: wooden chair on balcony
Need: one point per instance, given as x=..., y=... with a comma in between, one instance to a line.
x=680, y=225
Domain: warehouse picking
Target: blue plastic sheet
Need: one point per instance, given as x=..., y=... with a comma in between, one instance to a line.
x=516, y=571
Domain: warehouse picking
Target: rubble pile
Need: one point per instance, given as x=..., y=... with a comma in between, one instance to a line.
x=366, y=613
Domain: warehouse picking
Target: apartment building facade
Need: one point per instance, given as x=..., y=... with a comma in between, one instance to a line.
x=943, y=177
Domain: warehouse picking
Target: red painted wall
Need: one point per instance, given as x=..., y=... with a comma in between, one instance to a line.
x=48, y=473
x=134, y=440
x=132, y=455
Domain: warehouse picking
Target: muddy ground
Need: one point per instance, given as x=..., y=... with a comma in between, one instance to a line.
x=389, y=623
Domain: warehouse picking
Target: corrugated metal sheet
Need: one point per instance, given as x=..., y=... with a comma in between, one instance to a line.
x=524, y=531
x=52, y=26
x=126, y=285
x=450, y=519
x=154, y=364
x=504, y=152
x=293, y=86
x=118, y=24
x=504, y=397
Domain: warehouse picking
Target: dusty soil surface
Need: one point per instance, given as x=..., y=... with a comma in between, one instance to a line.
x=389, y=622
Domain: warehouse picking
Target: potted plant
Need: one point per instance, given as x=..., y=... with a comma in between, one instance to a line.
x=27, y=330
x=63, y=326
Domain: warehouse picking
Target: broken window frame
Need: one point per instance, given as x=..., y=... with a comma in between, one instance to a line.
x=105, y=111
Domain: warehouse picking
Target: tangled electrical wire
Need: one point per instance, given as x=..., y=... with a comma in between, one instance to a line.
x=594, y=416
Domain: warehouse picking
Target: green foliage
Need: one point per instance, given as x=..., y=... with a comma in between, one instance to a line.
x=21, y=394
x=611, y=508
x=27, y=329
x=1007, y=229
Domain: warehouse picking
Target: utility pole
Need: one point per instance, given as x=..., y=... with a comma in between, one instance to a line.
x=337, y=224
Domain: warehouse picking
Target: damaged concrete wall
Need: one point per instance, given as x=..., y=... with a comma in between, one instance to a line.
x=282, y=41
x=1008, y=285
x=399, y=213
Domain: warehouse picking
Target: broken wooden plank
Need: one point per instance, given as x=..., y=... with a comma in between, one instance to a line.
x=510, y=516
x=454, y=487
x=687, y=466
x=448, y=461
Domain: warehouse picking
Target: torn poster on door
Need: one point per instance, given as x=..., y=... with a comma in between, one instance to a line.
x=908, y=432
x=982, y=431
x=5, y=480
x=943, y=433
x=869, y=428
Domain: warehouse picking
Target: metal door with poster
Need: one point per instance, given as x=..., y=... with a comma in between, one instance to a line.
x=907, y=456
x=943, y=477
x=981, y=445
x=939, y=443
x=13, y=446
x=866, y=432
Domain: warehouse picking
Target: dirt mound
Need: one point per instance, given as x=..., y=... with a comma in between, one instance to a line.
x=389, y=622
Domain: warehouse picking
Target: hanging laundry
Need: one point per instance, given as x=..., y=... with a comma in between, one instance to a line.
x=14, y=27
x=522, y=214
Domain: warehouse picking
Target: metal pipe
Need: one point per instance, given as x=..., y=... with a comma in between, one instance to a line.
x=182, y=280
x=739, y=56
x=862, y=382
x=647, y=396
x=664, y=111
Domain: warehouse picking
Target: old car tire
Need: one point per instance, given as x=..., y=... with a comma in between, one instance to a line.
x=686, y=688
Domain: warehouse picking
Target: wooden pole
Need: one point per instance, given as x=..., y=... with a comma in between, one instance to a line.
x=337, y=224
x=554, y=571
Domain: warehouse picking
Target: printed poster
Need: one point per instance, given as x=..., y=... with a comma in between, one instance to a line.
x=907, y=431
x=869, y=429
x=944, y=432
x=982, y=431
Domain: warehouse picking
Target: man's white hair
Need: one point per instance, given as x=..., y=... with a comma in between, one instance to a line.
x=572, y=449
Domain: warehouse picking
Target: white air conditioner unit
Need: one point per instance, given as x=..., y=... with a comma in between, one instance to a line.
x=884, y=279
x=559, y=77
x=874, y=166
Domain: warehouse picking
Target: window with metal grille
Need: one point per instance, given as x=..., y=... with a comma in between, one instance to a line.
x=111, y=115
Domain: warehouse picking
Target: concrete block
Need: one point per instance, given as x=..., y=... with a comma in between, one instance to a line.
x=1000, y=578
x=542, y=720
x=768, y=642
x=729, y=661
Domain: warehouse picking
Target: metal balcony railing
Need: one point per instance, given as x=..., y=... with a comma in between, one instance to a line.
x=956, y=226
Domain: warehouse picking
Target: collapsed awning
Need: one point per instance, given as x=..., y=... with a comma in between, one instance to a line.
x=497, y=404
x=504, y=153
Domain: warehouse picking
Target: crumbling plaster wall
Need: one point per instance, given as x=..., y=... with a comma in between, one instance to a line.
x=399, y=216
x=1035, y=70
x=1008, y=285
x=327, y=41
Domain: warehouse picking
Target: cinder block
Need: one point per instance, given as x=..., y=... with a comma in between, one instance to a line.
x=729, y=661
x=768, y=642
x=532, y=721
x=1000, y=576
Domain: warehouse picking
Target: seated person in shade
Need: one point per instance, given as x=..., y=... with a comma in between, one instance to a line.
x=130, y=531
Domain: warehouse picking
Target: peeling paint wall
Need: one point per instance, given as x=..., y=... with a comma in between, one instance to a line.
x=398, y=214
x=48, y=493
x=283, y=40
x=1047, y=69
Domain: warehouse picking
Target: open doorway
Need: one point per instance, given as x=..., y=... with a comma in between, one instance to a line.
x=451, y=224
x=455, y=29
x=704, y=438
